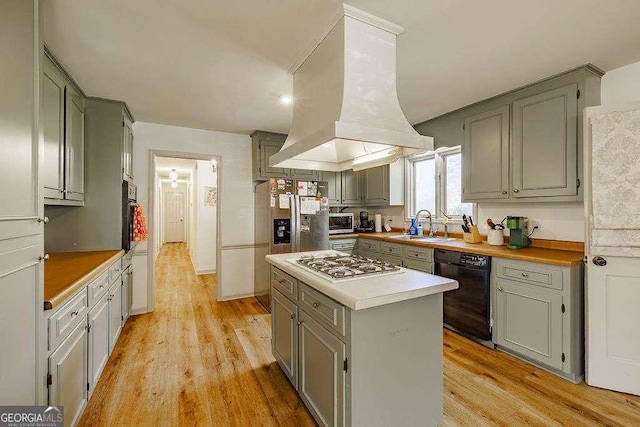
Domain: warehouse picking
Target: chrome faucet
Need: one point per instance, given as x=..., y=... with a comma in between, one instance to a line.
x=430, y=220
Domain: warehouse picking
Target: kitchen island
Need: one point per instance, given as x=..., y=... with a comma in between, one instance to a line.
x=360, y=351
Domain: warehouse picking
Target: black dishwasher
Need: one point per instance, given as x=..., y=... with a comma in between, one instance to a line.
x=466, y=309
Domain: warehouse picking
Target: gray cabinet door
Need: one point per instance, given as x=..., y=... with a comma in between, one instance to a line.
x=376, y=186
x=545, y=144
x=68, y=370
x=529, y=321
x=115, y=313
x=485, y=155
x=321, y=373
x=74, y=180
x=303, y=174
x=334, y=184
x=127, y=149
x=351, y=188
x=284, y=340
x=98, y=341
x=52, y=171
x=266, y=150
x=127, y=289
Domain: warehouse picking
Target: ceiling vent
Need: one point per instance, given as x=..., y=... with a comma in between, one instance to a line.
x=346, y=113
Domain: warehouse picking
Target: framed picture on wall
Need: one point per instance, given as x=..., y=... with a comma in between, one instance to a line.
x=210, y=196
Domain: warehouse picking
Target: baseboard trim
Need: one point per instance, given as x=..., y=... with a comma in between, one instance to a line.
x=238, y=296
x=139, y=311
x=199, y=272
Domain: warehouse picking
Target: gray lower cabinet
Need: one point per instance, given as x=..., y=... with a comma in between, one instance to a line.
x=115, y=313
x=322, y=372
x=284, y=338
x=537, y=314
x=68, y=370
x=409, y=256
x=98, y=320
x=343, y=245
x=63, y=129
x=127, y=290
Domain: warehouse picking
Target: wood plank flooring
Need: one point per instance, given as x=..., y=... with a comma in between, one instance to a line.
x=195, y=361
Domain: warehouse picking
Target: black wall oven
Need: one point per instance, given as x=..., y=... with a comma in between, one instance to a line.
x=129, y=203
x=466, y=309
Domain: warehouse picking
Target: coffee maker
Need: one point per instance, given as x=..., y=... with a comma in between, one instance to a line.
x=518, y=230
x=365, y=225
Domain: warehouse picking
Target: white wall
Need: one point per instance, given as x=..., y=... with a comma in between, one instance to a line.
x=205, y=252
x=621, y=85
x=235, y=196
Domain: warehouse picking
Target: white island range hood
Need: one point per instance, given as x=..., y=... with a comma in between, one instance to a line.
x=346, y=113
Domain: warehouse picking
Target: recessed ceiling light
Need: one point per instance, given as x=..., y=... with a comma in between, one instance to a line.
x=286, y=100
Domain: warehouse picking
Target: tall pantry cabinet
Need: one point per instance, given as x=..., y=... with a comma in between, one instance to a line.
x=21, y=220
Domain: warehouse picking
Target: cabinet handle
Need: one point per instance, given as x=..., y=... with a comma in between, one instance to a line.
x=44, y=219
x=300, y=322
x=500, y=288
x=44, y=258
x=316, y=305
x=281, y=281
x=599, y=261
x=504, y=192
x=293, y=315
x=516, y=191
x=525, y=274
x=74, y=313
x=69, y=192
x=102, y=286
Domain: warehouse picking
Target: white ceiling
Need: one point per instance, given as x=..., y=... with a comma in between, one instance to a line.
x=183, y=167
x=222, y=65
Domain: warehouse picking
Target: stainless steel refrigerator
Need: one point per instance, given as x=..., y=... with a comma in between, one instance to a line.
x=291, y=216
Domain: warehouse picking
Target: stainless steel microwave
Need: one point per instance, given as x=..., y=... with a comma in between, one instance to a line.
x=340, y=223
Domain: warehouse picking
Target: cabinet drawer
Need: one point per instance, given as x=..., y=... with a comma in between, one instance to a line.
x=391, y=259
x=369, y=254
x=65, y=319
x=421, y=254
x=115, y=270
x=391, y=249
x=414, y=264
x=534, y=274
x=343, y=245
x=322, y=308
x=97, y=288
x=284, y=283
x=369, y=245
x=126, y=261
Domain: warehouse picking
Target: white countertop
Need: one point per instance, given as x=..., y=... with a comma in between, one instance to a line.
x=368, y=291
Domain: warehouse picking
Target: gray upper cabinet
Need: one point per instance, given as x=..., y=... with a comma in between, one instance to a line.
x=52, y=173
x=334, y=183
x=74, y=178
x=384, y=185
x=63, y=129
x=376, y=186
x=265, y=145
x=524, y=145
x=127, y=148
x=545, y=144
x=485, y=155
x=351, y=188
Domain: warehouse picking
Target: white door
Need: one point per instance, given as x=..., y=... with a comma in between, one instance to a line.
x=174, y=208
x=612, y=205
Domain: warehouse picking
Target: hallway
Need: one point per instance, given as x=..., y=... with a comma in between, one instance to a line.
x=195, y=361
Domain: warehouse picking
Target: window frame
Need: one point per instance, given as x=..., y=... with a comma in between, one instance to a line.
x=439, y=156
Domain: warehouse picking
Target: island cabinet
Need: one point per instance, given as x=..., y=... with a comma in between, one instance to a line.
x=265, y=145
x=63, y=129
x=537, y=314
x=347, y=364
x=409, y=256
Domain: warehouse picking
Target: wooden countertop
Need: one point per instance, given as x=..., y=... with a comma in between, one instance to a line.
x=546, y=255
x=66, y=272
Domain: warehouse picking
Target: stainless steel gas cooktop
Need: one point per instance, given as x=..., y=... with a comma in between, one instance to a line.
x=341, y=267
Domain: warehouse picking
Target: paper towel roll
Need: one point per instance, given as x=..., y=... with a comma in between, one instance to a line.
x=378, y=223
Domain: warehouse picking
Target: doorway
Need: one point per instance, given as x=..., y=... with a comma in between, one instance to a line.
x=174, y=213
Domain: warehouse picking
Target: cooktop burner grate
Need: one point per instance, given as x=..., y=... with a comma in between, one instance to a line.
x=346, y=267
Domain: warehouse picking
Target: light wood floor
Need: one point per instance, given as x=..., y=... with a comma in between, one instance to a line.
x=195, y=361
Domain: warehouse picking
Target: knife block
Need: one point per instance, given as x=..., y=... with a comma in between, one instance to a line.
x=473, y=236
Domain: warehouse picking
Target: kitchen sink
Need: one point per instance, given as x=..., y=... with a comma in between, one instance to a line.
x=435, y=239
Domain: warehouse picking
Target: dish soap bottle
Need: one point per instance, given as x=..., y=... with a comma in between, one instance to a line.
x=413, y=229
